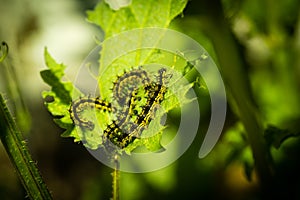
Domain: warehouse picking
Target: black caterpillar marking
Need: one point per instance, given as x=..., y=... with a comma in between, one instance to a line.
x=121, y=137
x=156, y=92
x=127, y=83
x=79, y=105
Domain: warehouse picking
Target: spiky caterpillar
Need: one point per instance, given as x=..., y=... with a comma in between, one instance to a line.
x=124, y=130
x=81, y=104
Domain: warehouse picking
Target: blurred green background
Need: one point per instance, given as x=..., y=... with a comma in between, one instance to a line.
x=268, y=36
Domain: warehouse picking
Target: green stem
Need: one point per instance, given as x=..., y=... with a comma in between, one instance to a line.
x=232, y=66
x=116, y=179
x=20, y=157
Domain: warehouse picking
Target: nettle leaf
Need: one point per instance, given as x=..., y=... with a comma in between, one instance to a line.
x=139, y=14
x=58, y=100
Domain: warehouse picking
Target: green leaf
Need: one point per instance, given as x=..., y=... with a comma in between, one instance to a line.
x=139, y=14
x=60, y=96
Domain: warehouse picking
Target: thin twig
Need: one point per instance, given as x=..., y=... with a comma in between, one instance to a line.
x=116, y=178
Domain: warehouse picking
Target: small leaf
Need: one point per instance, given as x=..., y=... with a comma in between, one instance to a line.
x=61, y=93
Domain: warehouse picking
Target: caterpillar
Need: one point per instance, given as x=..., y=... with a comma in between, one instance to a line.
x=127, y=83
x=122, y=136
x=79, y=105
x=125, y=92
x=156, y=92
x=124, y=130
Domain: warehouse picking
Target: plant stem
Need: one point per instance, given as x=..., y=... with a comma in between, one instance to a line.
x=232, y=66
x=116, y=178
x=20, y=157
